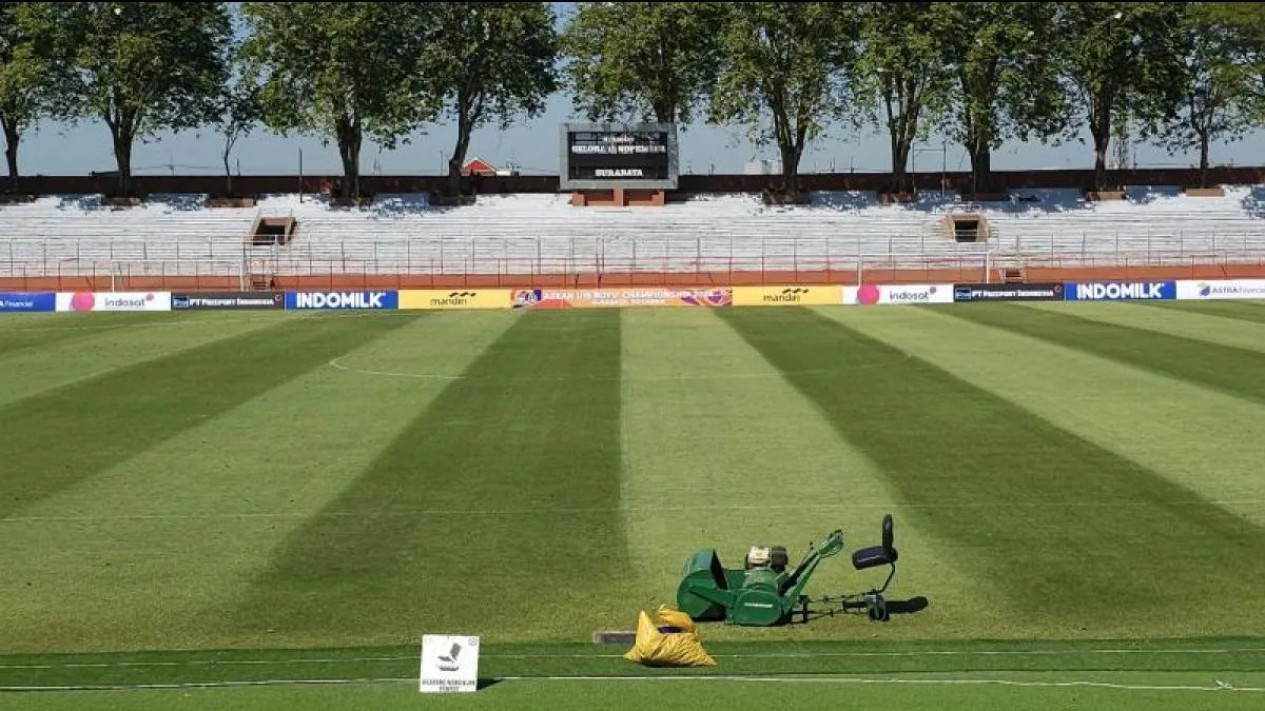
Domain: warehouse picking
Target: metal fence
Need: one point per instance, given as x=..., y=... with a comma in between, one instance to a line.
x=517, y=260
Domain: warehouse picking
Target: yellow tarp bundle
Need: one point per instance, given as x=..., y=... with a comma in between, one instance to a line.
x=668, y=649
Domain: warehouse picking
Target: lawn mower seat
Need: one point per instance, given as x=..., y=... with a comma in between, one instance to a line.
x=882, y=554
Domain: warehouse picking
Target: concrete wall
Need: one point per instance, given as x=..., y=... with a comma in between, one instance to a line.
x=371, y=184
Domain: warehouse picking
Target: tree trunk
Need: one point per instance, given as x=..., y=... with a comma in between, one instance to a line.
x=791, y=153
x=902, y=126
x=469, y=111
x=228, y=172
x=981, y=166
x=1203, y=158
x=978, y=121
x=902, y=181
x=349, y=139
x=664, y=112
x=1100, y=129
x=458, y=158
x=12, y=134
x=122, y=136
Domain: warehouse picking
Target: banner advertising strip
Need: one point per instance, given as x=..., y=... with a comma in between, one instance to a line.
x=1121, y=291
x=613, y=298
x=114, y=301
x=342, y=300
x=788, y=295
x=869, y=294
x=228, y=301
x=1007, y=292
x=35, y=302
x=1224, y=289
x=456, y=299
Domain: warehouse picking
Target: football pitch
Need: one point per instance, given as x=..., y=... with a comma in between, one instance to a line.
x=267, y=510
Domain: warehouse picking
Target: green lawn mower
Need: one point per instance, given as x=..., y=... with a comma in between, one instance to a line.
x=763, y=594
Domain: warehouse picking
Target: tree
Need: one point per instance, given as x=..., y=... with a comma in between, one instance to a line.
x=1122, y=62
x=341, y=71
x=239, y=110
x=141, y=67
x=490, y=61
x=1220, y=96
x=642, y=60
x=1007, y=86
x=28, y=72
x=900, y=68
x=784, y=70
x=1245, y=19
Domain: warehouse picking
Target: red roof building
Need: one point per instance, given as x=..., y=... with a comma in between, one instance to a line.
x=478, y=166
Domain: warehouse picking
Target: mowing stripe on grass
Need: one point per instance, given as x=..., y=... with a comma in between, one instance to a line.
x=16, y=336
x=1250, y=311
x=1207, y=364
x=101, y=350
x=534, y=446
x=137, y=577
x=119, y=415
x=939, y=438
x=1180, y=323
x=1198, y=438
x=715, y=462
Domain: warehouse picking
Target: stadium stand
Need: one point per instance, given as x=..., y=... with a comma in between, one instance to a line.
x=543, y=233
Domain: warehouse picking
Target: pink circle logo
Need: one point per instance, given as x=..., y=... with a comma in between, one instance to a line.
x=83, y=301
x=867, y=294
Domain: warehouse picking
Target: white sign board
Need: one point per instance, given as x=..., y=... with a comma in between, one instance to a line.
x=450, y=663
x=867, y=294
x=1221, y=289
x=114, y=301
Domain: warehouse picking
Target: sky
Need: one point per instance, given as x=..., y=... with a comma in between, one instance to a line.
x=532, y=145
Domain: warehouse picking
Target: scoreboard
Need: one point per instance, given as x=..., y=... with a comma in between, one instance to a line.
x=598, y=156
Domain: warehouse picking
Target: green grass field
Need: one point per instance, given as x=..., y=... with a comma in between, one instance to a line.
x=199, y=500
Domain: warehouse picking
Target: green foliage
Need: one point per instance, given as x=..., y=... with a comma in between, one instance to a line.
x=784, y=73
x=490, y=61
x=27, y=65
x=900, y=68
x=141, y=67
x=1246, y=19
x=341, y=71
x=1221, y=101
x=1007, y=87
x=642, y=61
x=1123, y=63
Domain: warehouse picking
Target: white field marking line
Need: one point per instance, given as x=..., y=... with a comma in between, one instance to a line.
x=1217, y=685
x=755, y=655
x=911, y=653
x=206, y=684
x=205, y=662
x=338, y=364
x=366, y=515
